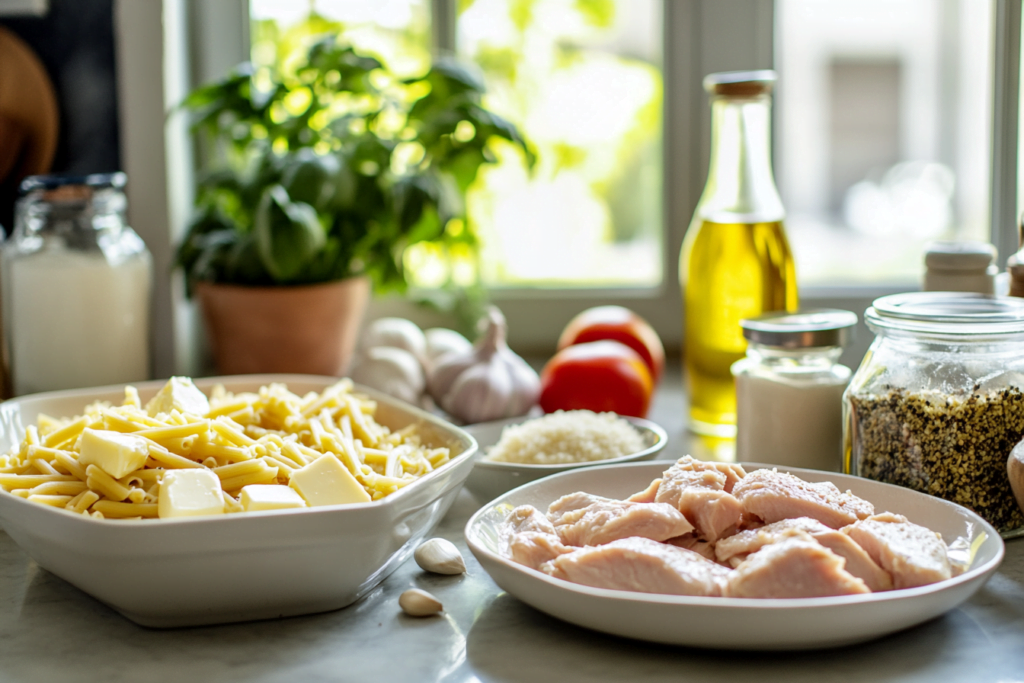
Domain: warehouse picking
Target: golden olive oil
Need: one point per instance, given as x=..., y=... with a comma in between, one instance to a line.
x=728, y=271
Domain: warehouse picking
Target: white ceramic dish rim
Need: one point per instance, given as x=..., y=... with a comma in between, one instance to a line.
x=653, y=427
x=393, y=499
x=735, y=603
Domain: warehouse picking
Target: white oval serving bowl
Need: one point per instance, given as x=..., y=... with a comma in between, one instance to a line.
x=734, y=623
x=237, y=567
x=489, y=478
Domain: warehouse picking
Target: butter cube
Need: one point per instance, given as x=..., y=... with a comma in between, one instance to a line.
x=190, y=493
x=270, y=497
x=115, y=453
x=179, y=394
x=325, y=481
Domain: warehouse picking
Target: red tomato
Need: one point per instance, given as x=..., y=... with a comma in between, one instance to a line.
x=617, y=324
x=600, y=376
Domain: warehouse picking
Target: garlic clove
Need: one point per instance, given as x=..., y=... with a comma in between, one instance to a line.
x=419, y=603
x=440, y=556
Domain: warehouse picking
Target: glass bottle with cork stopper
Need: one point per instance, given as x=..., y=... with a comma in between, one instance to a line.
x=736, y=262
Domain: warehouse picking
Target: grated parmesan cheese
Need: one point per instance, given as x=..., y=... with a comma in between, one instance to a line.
x=565, y=437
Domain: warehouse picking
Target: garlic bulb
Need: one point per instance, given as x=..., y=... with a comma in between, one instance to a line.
x=395, y=372
x=489, y=382
x=398, y=333
x=441, y=341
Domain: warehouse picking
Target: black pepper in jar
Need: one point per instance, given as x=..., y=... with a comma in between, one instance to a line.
x=954, y=446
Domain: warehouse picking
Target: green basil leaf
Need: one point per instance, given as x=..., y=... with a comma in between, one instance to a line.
x=287, y=234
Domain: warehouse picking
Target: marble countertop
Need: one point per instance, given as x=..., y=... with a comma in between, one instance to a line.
x=51, y=631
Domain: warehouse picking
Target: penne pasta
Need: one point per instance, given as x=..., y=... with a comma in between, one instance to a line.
x=104, y=484
x=114, y=509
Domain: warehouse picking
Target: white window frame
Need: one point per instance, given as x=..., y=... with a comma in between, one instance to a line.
x=165, y=48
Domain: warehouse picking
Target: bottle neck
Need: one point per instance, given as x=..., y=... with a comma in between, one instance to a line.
x=741, y=185
x=80, y=220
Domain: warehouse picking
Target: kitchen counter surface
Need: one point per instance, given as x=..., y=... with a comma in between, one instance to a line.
x=51, y=631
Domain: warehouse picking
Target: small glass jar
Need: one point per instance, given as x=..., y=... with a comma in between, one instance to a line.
x=76, y=286
x=938, y=402
x=789, y=389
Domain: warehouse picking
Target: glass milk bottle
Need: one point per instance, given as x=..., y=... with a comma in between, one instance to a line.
x=789, y=389
x=76, y=286
x=735, y=262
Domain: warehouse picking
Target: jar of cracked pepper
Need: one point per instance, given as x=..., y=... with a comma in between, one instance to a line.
x=938, y=402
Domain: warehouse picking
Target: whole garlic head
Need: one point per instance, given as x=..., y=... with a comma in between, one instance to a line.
x=489, y=382
x=398, y=333
x=395, y=372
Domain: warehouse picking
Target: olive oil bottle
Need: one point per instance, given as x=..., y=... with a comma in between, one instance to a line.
x=735, y=262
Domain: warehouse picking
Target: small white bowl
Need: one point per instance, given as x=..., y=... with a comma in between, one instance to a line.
x=239, y=567
x=490, y=479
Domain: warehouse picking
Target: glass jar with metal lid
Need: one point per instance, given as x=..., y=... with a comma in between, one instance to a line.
x=789, y=388
x=76, y=286
x=938, y=402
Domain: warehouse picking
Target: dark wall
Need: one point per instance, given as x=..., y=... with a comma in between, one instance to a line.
x=75, y=42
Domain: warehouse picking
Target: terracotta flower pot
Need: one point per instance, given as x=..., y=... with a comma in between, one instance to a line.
x=309, y=329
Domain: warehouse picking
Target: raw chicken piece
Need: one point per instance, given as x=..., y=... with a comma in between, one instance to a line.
x=647, y=495
x=912, y=554
x=528, y=538
x=526, y=518
x=735, y=549
x=796, y=566
x=584, y=519
x=774, y=496
x=532, y=548
x=700, y=490
x=692, y=542
x=642, y=565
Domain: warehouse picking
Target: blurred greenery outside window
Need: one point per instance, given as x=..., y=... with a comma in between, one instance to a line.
x=583, y=81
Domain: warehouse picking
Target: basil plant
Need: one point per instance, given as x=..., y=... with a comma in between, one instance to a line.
x=332, y=169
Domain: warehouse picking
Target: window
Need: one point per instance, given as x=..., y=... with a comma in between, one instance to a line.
x=396, y=30
x=945, y=75
x=884, y=128
x=583, y=81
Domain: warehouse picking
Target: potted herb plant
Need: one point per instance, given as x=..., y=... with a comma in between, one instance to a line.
x=322, y=177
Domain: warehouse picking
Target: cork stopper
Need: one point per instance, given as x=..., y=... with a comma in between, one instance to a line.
x=740, y=83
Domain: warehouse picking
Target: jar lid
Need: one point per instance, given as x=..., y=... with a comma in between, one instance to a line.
x=800, y=330
x=948, y=314
x=96, y=181
x=740, y=83
x=965, y=255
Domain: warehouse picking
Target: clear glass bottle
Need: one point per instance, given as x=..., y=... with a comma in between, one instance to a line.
x=938, y=401
x=735, y=262
x=789, y=389
x=76, y=286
